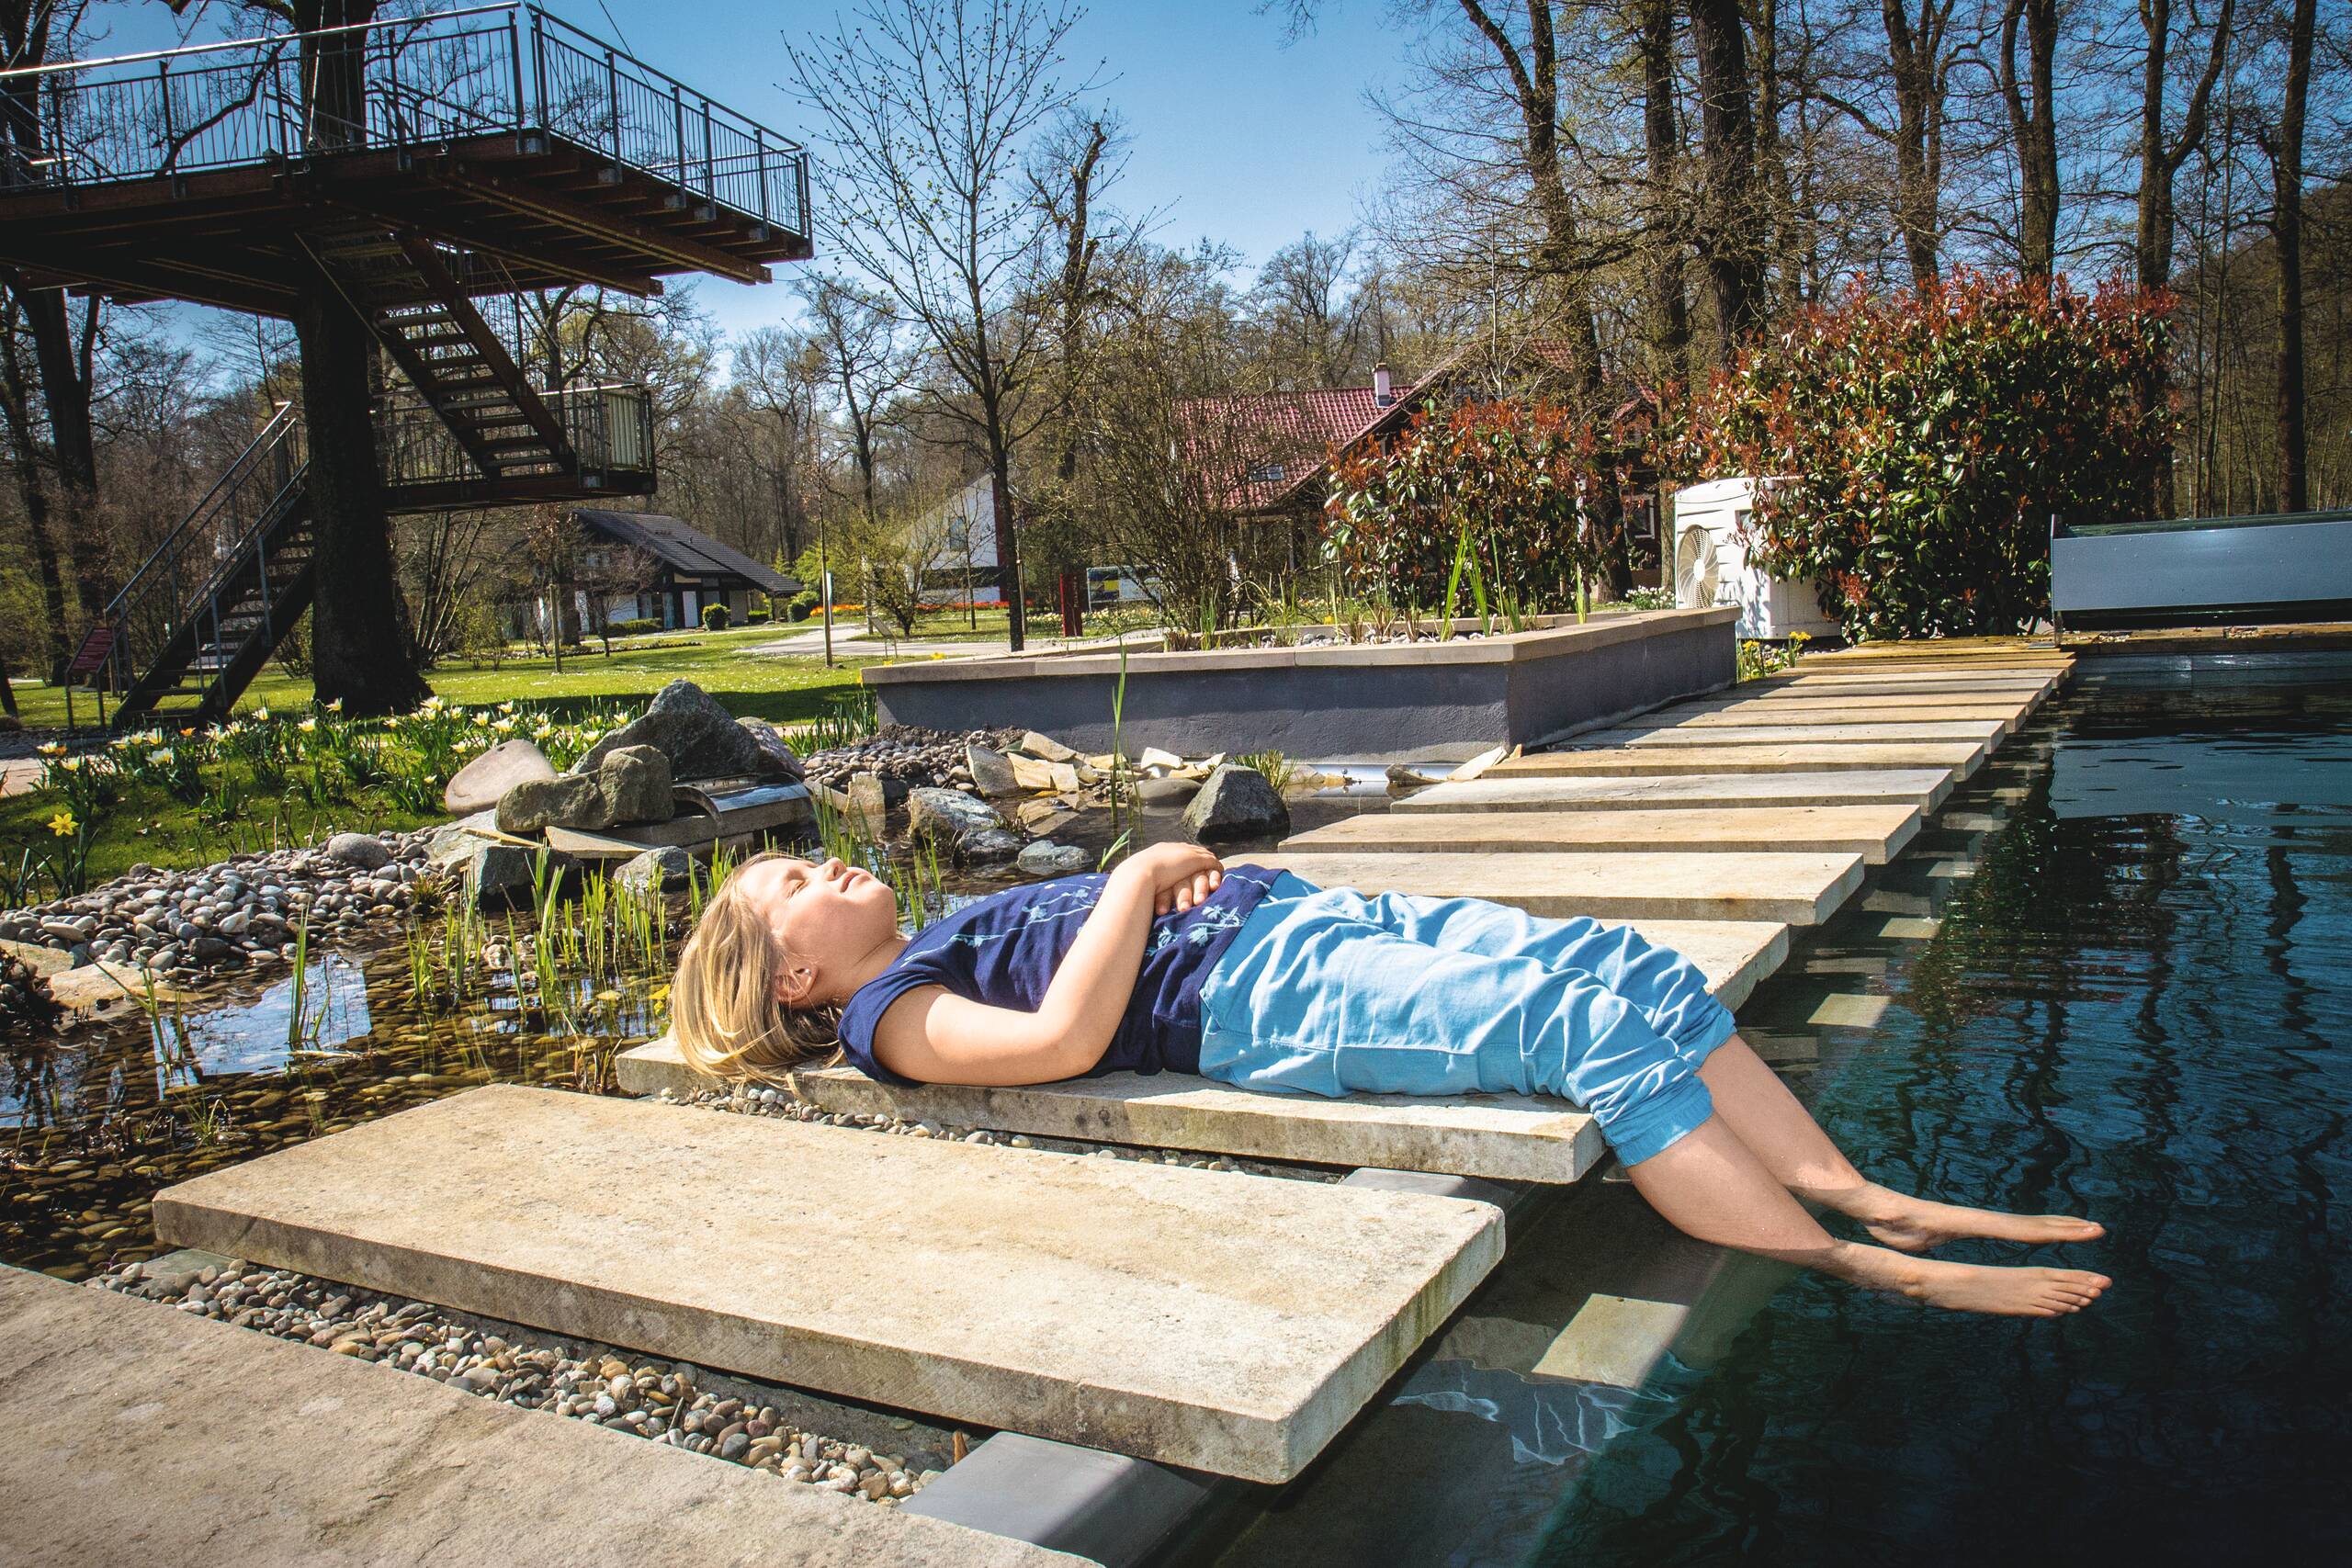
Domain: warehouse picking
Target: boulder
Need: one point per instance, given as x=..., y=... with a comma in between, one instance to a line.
x=967, y=826
x=869, y=799
x=778, y=759
x=450, y=848
x=1047, y=748
x=688, y=726
x=1046, y=858
x=655, y=871
x=496, y=875
x=363, y=849
x=482, y=782
x=568, y=800
x=634, y=783
x=992, y=771
x=1236, y=803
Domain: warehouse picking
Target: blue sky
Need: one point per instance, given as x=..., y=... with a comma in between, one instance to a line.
x=1237, y=136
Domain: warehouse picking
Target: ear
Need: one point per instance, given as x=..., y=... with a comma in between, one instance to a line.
x=795, y=985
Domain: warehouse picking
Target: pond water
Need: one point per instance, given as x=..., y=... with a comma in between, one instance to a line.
x=96, y=1121
x=2134, y=1002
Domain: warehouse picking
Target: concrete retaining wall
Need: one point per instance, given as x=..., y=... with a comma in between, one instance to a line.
x=1432, y=701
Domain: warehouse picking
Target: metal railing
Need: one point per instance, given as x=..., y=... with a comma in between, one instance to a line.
x=607, y=428
x=420, y=80
x=183, y=579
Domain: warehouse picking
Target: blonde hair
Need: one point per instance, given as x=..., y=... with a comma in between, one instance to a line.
x=723, y=1009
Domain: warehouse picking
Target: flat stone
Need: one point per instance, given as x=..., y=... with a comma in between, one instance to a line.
x=480, y=784
x=1498, y=1137
x=1046, y=858
x=1810, y=714
x=1923, y=788
x=1794, y=889
x=1961, y=757
x=1028, y=773
x=1046, y=748
x=1167, y=791
x=1874, y=832
x=1226, y=1325
x=993, y=772
x=157, y=1431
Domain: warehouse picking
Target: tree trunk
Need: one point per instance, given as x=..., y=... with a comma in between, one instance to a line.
x=1915, y=62
x=2033, y=123
x=7, y=693
x=359, y=653
x=1007, y=548
x=1727, y=241
x=32, y=491
x=65, y=395
x=2287, y=231
x=1670, y=302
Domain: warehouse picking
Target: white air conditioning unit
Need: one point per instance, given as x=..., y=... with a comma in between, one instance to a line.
x=1711, y=566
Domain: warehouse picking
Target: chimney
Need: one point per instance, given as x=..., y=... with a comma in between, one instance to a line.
x=1382, y=396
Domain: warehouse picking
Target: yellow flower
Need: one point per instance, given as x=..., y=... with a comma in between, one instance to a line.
x=161, y=758
x=261, y=713
x=51, y=749
x=63, y=824
x=335, y=706
x=309, y=726
x=185, y=733
x=70, y=764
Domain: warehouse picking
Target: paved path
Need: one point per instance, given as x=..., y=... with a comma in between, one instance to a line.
x=19, y=775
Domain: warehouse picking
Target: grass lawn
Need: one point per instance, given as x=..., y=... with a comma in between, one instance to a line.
x=786, y=689
x=146, y=824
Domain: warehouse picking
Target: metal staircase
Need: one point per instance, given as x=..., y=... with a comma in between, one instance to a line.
x=197, y=621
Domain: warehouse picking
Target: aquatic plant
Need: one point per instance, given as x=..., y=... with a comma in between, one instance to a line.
x=1280, y=771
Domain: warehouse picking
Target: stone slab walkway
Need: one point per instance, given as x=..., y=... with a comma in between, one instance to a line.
x=1671, y=729
x=1923, y=788
x=1960, y=757
x=157, y=1439
x=1816, y=713
x=1793, y=890
x=1874, y=832
x=1188, y=1316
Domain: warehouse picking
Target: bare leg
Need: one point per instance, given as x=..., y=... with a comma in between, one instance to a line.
x=1710, y=1185
x=1755, y=1103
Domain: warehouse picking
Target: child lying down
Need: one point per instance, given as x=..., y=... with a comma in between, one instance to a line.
x=1176, y=963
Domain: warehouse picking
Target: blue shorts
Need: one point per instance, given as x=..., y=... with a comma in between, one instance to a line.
x=1327, y=991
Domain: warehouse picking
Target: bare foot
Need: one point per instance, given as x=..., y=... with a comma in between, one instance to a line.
x=1974, y=1287
x=1915, y=1224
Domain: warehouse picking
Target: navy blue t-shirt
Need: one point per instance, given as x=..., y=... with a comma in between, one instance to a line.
x=1003, y=949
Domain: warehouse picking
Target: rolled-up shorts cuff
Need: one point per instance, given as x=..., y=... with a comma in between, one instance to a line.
x=1696, y=1039
x=1662, y=1120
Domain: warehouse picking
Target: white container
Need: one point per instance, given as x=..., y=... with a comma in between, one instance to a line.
x=1711, y=566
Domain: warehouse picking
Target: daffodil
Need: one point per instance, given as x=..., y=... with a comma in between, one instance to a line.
x=63, y=824
x=335, y=706
x=70, y=764
x=309, y=726
x=51, y=749
x=160, y=757
x=261, y=713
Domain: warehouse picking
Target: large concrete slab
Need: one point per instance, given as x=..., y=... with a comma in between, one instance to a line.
x=1897, y=680
x=1874, y=832
x=1794, y=889
x=1667, y=731
x=2003, y=719
x=1923, y=788
x=154, y=1438
x=1501, y=1138
x=1961, y=757
x=1187, y=1316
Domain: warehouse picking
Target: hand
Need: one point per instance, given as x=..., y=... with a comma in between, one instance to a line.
x=1180, y=875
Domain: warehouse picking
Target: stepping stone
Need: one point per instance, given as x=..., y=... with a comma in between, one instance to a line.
x=1794, y=889
x=2002, y=684
x=1961, y=757
x=1498, y=1137
x=1874, y=832
x=1194, y=1317
x=1922, y=787
x=1670, y=733
x=155, y=1431
x=1808, y=713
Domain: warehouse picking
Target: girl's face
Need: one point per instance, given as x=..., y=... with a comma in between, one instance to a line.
x=828, y=917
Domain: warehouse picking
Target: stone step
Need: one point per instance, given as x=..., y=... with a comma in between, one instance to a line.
x=1897, y=683
x=1805, y=712
x=1874, y=832
x=1960, y=757
x=1197, y=1319
x=1498, y=1137
x=1667, y=731
x=156, y=1431
x=1793, y=890
x=1923, y=788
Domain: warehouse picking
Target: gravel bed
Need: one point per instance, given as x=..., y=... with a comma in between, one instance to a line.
x=758, y=1425
x=236, y=913
x=905, y=754
x=746, y=1100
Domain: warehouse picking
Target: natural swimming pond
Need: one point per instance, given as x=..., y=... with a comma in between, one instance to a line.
x=2131, y=997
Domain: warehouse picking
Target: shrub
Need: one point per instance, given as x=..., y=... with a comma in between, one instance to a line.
x=714, y=617
x=1922, y=443
x=1506, y=477
x=755, y=617
x=635, y=625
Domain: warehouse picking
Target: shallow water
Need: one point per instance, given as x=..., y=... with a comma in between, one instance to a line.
x=2136, y=1006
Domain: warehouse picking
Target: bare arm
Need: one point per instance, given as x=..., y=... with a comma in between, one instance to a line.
x=933, y=1036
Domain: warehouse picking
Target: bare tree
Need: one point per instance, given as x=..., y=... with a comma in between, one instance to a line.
x=2031, y=96
x=2284, y=146
x=866, y=365
x=1728, y=234
x=930, y=106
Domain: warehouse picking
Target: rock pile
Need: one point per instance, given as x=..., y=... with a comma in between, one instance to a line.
x=670, y=1403
x=904, y=757
x=236, y=912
